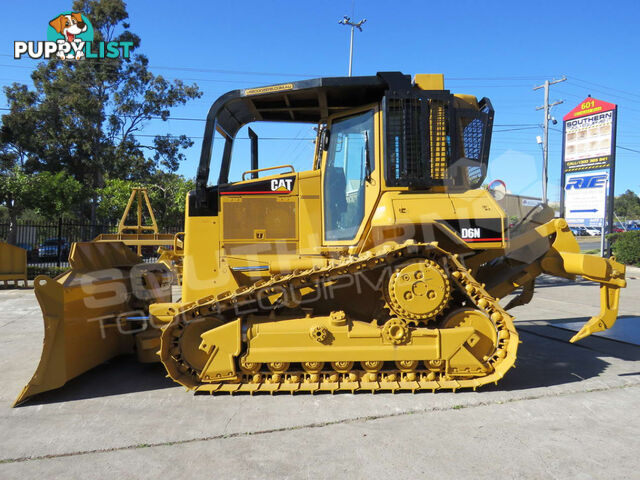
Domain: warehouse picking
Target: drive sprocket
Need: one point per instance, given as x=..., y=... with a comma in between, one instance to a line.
x=418, y=289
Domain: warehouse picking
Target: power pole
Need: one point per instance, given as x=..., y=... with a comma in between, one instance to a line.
x=347, y=21
x=545, y=145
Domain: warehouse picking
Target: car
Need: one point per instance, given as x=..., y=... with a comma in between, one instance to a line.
x=617, y=230
x=593, y=231
x=49, y=248
x=580, y=231
x=31, y=251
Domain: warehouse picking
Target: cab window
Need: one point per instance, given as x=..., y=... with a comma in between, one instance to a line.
x=349, y=163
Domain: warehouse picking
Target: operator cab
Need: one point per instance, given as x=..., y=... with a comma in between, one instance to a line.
x=431, y=137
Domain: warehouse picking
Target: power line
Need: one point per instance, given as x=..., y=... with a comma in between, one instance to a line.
x=200, y=137
x=524, y=126
x=243, y=72
x=634, y=94
x=192, y=69
x=491, y=86
x=513, y=129
x=629, y=149
x=516, y=124
x=524, y=77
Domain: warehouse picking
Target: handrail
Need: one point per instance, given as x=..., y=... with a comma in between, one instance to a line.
x=176, y=240
x=267, y=168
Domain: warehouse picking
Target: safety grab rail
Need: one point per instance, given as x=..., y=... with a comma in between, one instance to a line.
x=265, y=169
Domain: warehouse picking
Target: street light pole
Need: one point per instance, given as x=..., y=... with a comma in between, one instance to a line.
x=545, y=146
x=347, y=21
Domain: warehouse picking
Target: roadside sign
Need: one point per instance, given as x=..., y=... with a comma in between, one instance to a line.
x=588, y=164
x=588, y=136
x=585, y=196
x=531, y=202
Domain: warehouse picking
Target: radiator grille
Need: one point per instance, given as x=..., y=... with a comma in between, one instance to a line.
x=259, y=218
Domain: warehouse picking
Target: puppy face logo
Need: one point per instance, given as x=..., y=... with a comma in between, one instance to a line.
x=68, y=30
x=69, y=25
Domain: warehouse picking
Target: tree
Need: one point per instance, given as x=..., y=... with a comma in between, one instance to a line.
x=168, y=198
x=83, y=116
x=167, y=193
x=20, y=191
x=627, y=205
x=113, y=199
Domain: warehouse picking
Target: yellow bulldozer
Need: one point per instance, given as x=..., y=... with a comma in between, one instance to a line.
x=381, y=267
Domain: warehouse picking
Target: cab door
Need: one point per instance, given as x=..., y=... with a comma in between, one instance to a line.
x=350, y=184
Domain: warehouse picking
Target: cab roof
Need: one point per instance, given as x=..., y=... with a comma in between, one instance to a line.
x=310, y=101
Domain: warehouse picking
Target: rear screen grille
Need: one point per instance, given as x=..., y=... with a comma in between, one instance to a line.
x=408, y=145
x=439, y=144
x=429, y=141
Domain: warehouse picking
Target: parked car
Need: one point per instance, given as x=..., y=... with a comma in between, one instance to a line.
x=49, y=248
x=32, y=252
x=580, y=231
x=593, y=231
x=633, y=225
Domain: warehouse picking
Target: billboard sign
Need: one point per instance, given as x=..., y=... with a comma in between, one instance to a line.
x=588, y=136
x=584, y=196
x=588, y=161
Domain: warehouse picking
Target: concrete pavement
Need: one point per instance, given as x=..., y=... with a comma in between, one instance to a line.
x=566, y=411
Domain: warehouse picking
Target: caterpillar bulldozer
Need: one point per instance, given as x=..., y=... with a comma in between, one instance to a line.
x=382, y=267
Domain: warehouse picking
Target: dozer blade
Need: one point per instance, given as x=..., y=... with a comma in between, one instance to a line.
x=85, y=311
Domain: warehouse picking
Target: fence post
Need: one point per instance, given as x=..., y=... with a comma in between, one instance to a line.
x=59, y=241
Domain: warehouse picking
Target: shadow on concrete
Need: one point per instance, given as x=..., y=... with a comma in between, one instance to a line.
x=545, y=281
x=546, y=358
x=621, y=341
x=120, y=375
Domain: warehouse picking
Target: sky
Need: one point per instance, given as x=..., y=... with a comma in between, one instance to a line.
x=494, y=49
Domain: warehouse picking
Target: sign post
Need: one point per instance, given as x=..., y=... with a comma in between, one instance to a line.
x=588, y=166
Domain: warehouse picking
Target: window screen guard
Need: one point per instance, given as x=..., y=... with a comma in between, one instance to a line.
x=431, y=140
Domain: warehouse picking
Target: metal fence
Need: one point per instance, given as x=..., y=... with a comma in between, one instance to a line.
x=48, y=243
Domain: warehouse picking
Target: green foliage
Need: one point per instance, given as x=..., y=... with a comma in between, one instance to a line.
x=113, y=199
x=613, y=237
x=627, y=205
x=626, y=247
x=167, y=193
x=34, y=270
x=48, y=194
